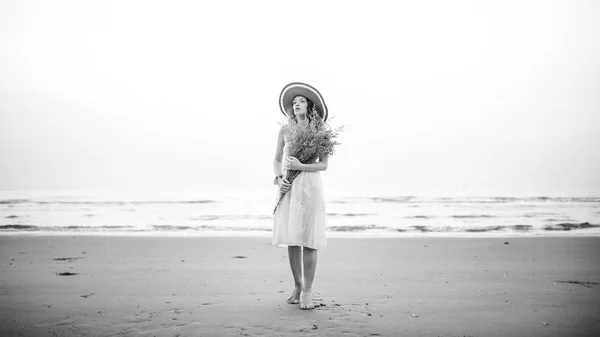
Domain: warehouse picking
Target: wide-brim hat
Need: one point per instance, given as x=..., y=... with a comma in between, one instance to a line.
x=301, y=89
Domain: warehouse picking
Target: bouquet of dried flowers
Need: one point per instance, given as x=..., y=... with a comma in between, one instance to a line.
x=308, y=141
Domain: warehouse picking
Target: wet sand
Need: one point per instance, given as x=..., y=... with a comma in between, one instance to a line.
x=162, y=286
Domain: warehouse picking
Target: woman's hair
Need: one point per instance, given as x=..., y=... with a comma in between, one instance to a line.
x=311, y=112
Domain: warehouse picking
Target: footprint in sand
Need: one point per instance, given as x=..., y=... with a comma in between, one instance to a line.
x=143, y=316
x=206, y=303
x=68, y=259
x=176, y=311
x=348, y=313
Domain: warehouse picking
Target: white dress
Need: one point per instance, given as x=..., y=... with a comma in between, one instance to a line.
x=300, y=217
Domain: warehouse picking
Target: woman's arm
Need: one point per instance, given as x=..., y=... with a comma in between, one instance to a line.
x=321, y=165
x=283, y=184
x=278, y=153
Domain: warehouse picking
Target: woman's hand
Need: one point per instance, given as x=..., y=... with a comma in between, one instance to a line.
x=283, y=184
x=293, y=164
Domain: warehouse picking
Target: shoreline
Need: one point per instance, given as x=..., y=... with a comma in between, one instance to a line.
x=342, y=235
x=223, y=286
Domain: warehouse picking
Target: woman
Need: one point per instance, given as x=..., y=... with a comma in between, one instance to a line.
x=299, y=221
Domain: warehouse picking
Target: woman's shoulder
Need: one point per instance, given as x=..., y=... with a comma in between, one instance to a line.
x=283, y=130
x=283, y=133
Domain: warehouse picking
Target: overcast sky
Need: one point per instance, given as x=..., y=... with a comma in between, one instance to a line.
x=437, y=97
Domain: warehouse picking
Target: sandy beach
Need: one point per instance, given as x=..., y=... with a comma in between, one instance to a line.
x=224, y=286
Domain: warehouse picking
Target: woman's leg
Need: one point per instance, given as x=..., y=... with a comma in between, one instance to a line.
x=310, y=266
x=295, y=257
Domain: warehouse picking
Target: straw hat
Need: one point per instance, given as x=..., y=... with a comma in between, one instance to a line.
x=301, y=89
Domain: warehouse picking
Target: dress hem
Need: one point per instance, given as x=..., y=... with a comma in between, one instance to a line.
x=285, y=245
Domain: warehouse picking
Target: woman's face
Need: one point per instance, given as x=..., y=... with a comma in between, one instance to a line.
x=300, y=105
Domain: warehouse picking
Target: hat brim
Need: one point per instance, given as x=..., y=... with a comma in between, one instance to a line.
x=301, y=89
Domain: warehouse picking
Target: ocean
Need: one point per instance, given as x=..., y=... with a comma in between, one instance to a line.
x=213, y=214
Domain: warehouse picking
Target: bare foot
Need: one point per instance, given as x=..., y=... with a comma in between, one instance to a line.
x=295, y=298
x=306, y=302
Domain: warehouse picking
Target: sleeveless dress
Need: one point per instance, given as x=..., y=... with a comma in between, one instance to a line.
x=300, y=217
